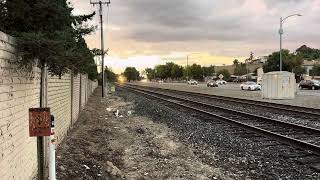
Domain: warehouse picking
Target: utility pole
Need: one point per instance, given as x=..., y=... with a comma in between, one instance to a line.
x=101, y=38
x=187, y=68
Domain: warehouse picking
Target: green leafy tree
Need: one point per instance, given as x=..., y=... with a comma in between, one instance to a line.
x=290, y=61
x=176, y=71
x=208, y=71
x=131, y=74
x=150, y=73
x=308, y=53
x=299, y=70
x=196, y=72
x=162, y=71
x=225, y=73
x=236, y=61
x=315, y=70
x=168, y=69
x=48, y=33
x=240, y=69
x=110, y=75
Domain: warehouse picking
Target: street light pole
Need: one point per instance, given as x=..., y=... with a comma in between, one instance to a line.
x=101, y=39
x=281, y=32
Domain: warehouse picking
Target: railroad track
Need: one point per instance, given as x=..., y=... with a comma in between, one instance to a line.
x=301, y=137
x=284, y=107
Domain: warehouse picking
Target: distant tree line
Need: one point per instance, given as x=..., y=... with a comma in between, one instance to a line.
x=292, y=62
x=174, y=71
x=308, y=53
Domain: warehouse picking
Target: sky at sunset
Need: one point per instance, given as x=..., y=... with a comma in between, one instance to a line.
x=143, y=33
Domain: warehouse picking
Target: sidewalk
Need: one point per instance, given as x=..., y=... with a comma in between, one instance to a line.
x=102, y=145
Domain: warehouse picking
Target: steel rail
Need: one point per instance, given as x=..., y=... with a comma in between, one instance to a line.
x=281, y=138
x=285, y=107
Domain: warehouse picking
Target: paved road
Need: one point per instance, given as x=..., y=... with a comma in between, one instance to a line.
x=308, y=98
x=235, y=86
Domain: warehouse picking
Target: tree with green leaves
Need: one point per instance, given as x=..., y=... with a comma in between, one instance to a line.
x=225, y=73
x=169, y=66
x=48, y=34
x=176, y=71
x=111, y=76
x=131, y=73
x=162, y=71
x=308, y=53
x=150, y=73
x=315, y=70
x=208, y=71
x=290, y=61
x=196, y=72
x=299, y=70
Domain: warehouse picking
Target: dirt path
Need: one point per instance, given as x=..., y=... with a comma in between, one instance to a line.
x=105, y=146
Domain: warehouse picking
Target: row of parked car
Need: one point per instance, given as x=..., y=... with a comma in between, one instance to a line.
x=253, y=86
x=210, y=83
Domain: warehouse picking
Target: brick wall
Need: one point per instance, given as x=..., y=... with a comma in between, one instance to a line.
x=59, y=101
x=19, y=91
x=75, y=97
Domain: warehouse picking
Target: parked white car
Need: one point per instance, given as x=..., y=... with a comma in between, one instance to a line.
x=250, y=86
x=221, y=82
x=192, y=82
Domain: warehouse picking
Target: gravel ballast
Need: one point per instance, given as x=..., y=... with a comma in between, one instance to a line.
x=243, y=158
x=297, y=118
x=111, y=141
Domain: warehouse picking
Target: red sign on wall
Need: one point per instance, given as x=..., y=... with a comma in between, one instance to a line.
x=39, y=122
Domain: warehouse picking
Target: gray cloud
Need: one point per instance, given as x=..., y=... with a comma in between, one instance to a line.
x=222, y=21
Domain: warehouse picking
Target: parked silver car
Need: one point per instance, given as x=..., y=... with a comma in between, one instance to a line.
x=193, y=82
